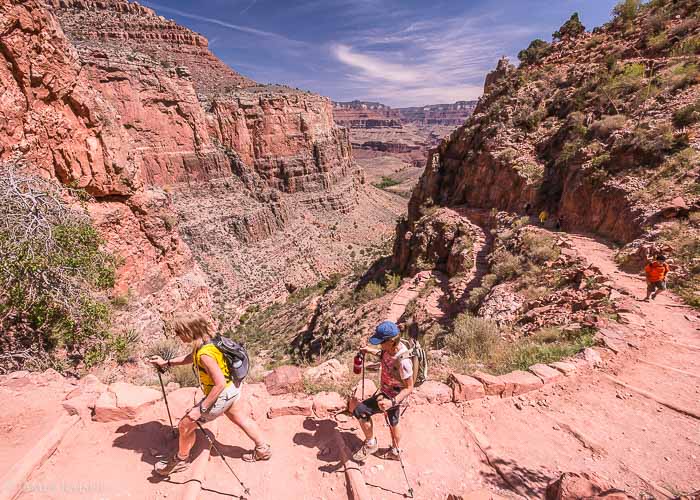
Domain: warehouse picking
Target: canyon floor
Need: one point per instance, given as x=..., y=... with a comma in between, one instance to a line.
x=634, y=422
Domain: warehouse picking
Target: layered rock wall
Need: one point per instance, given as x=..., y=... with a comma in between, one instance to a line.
x=57, y=116
x=110, y=97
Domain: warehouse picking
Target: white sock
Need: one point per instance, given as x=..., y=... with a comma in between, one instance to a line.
x=371, y=442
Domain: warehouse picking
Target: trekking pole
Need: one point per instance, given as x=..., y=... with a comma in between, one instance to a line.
x=246, y=490
x=363, y=378
x=403, y=468
x=165, y=398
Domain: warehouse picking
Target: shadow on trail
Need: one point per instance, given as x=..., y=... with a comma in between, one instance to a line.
x=508, y=474
x=202, y=488
x=321, y=436
x=154, y=441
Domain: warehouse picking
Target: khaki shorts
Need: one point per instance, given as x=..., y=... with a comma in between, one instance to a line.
x=653, y=286
x=225, y=400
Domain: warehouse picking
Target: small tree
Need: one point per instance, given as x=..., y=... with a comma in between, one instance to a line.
x=52, y=268
x=570, y=29
x=534, y=52
x=627, y=10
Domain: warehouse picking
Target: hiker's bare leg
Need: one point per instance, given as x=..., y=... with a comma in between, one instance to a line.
x=367, y=428
x=238, y=415
x=187, y=428
x=395, y=435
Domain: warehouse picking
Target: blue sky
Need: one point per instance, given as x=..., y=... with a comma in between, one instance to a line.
x=399, y=52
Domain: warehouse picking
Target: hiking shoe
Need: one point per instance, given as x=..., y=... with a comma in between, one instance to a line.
x=391, y=454
x=173, y=464
x=366, y=450
x=262, y=452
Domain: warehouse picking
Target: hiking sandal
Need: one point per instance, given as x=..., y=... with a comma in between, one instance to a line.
x=366, y=450
x=173, y=464
x=262, y=452
x=390, y=454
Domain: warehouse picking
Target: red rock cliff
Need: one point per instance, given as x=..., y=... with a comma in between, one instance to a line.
x=108, y=96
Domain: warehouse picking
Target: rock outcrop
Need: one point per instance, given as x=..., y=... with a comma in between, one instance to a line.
x=578, y=133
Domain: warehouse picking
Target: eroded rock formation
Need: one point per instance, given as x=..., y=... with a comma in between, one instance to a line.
x=110, y=97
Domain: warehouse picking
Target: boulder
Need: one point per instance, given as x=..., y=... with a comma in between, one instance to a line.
x=519, y=382
x=326, y=404
x=592, y=357
x=546, y=373
x=285, y=406
x=257, y=398
x=331, y=370
x=284, y=380
x=432, y=391
x=492, y=385
x=572, y=486
x=81, y=400
x=677, y=207
x=565, y=368
x=465, y=388
x=123, y=401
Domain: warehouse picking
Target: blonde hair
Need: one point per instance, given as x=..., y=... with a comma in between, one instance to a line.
x=192, y=327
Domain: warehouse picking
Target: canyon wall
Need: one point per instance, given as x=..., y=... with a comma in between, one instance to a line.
x=109, y=97
x=593, y=137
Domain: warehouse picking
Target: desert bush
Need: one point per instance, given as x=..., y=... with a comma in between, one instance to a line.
x=506, y=265
x=183, y=375
x=659, y=41
x=570, y=29
x=167, y=348
x=123, y=346
x=604, y=127
x=472, y=337
x=369, y=292
x=683, y=75
x=539, y=247
x=391, y=282
x=627, y=10
x=537, y=50
x=687, y=115
x=52, y=273
x=386, y=182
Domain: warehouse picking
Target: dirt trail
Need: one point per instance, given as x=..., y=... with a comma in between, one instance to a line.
x=643, y=436
x=594, y=424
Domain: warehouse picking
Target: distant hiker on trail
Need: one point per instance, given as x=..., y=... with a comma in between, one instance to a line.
x=543, y=217
x=396, y=384
x=656, y=272
x=560, y=223
x=528, y=207
x=221, y=395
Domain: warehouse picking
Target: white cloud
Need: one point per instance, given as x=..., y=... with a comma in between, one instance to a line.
x=429, y=61
x=374, y=67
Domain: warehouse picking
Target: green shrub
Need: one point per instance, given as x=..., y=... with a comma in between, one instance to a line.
x=627, y=10
x=386, y=182
x=472, y=337
x=688, y=47
x=659, y=42
x=370, y=291
x=683, y=75
x=183, y=375
x=52, y=273
x=570, y=29
x=167, y=348
x=537, y=50
x=539, y=247
x=123, y=346
x=604, y=127
x=506, y=265
x=687, y=115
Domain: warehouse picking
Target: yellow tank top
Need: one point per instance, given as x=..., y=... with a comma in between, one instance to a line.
x=204, y=378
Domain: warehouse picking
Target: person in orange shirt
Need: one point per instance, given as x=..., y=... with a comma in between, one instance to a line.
x=656, y=272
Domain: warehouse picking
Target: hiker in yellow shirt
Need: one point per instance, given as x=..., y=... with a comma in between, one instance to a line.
x=221, y=394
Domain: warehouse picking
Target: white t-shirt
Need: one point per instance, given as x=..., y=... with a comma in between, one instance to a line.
x=405, y=368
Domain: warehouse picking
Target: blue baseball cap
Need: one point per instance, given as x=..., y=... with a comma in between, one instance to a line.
x=385, y=330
